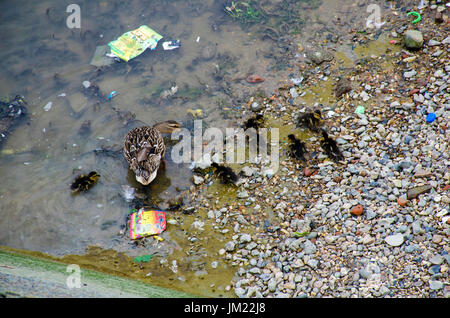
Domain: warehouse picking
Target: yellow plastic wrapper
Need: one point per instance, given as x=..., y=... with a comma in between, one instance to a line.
x=132, y=43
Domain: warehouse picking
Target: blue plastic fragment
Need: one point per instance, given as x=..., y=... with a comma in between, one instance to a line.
x=113, y=93
x=431, y=117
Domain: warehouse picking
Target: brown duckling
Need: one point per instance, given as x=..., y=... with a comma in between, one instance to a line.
x=311, y=120
x=330, y=147
x=83, y=182
x=226, y=174
x=253, y=122
x=297, y=148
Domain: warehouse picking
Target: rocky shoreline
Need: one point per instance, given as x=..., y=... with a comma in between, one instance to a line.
x=376, y=225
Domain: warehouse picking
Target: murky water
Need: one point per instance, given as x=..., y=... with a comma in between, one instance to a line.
x=45, y=61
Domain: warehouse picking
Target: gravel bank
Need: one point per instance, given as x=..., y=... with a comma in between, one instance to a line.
x=298, y=233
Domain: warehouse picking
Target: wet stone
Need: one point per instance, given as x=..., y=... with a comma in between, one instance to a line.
x=413, y=39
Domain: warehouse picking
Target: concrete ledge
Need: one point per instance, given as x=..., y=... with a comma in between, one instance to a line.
x=28, y=276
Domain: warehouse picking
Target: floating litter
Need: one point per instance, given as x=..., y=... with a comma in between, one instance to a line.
x=48, y=106
x=146, y=222
x=133, y=43
x=113, y=93
x=171, y=45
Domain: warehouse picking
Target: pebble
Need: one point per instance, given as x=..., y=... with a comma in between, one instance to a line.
x=293, y=92
x=242, y=194
x=247, y=171
x=402, y=201
x=436, y=285
x=245, y=238
x=416, y=191
x=357, y=210
x=433, y=43
x=309, y=247
x=256, y=107
x=436, y=260
x=312, y=263
x=230, y=246
x=394, y=240
x=198, y=180
x=409, y=74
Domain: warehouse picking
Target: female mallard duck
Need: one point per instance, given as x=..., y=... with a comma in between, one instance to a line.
x=144, y=149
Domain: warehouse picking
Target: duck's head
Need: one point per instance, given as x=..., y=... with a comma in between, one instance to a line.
x=291, y=137
x=168, y=126
x=318, y=114
x=144, y=177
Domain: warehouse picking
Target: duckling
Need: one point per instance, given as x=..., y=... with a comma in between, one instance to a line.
x=225, y=173
x=297, y=148
x=311, y=120
x=253, y=122
x=144, y=149
x=331, y=148
x=83, y=182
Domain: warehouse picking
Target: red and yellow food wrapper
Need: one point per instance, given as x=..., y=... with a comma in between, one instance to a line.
x=146, y=222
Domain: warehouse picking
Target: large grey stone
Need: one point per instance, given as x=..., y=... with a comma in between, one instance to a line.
x=413, y=39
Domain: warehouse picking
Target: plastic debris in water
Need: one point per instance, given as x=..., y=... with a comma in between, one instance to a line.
x=132, y=43
x=293, y=92
x=113, y=94
x=146, y=222
x=143, y=258
x=48, y=106
x=101, y=57
x=171, y=45
x=128, y=193
x=297, y=81
x=255, y=79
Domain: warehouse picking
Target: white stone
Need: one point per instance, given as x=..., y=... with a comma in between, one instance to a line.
x=395, y=240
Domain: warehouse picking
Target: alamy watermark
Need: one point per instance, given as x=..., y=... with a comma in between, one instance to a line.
x=374, y=19
x=74, y=279
x=73, y=21
x=235, y=145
